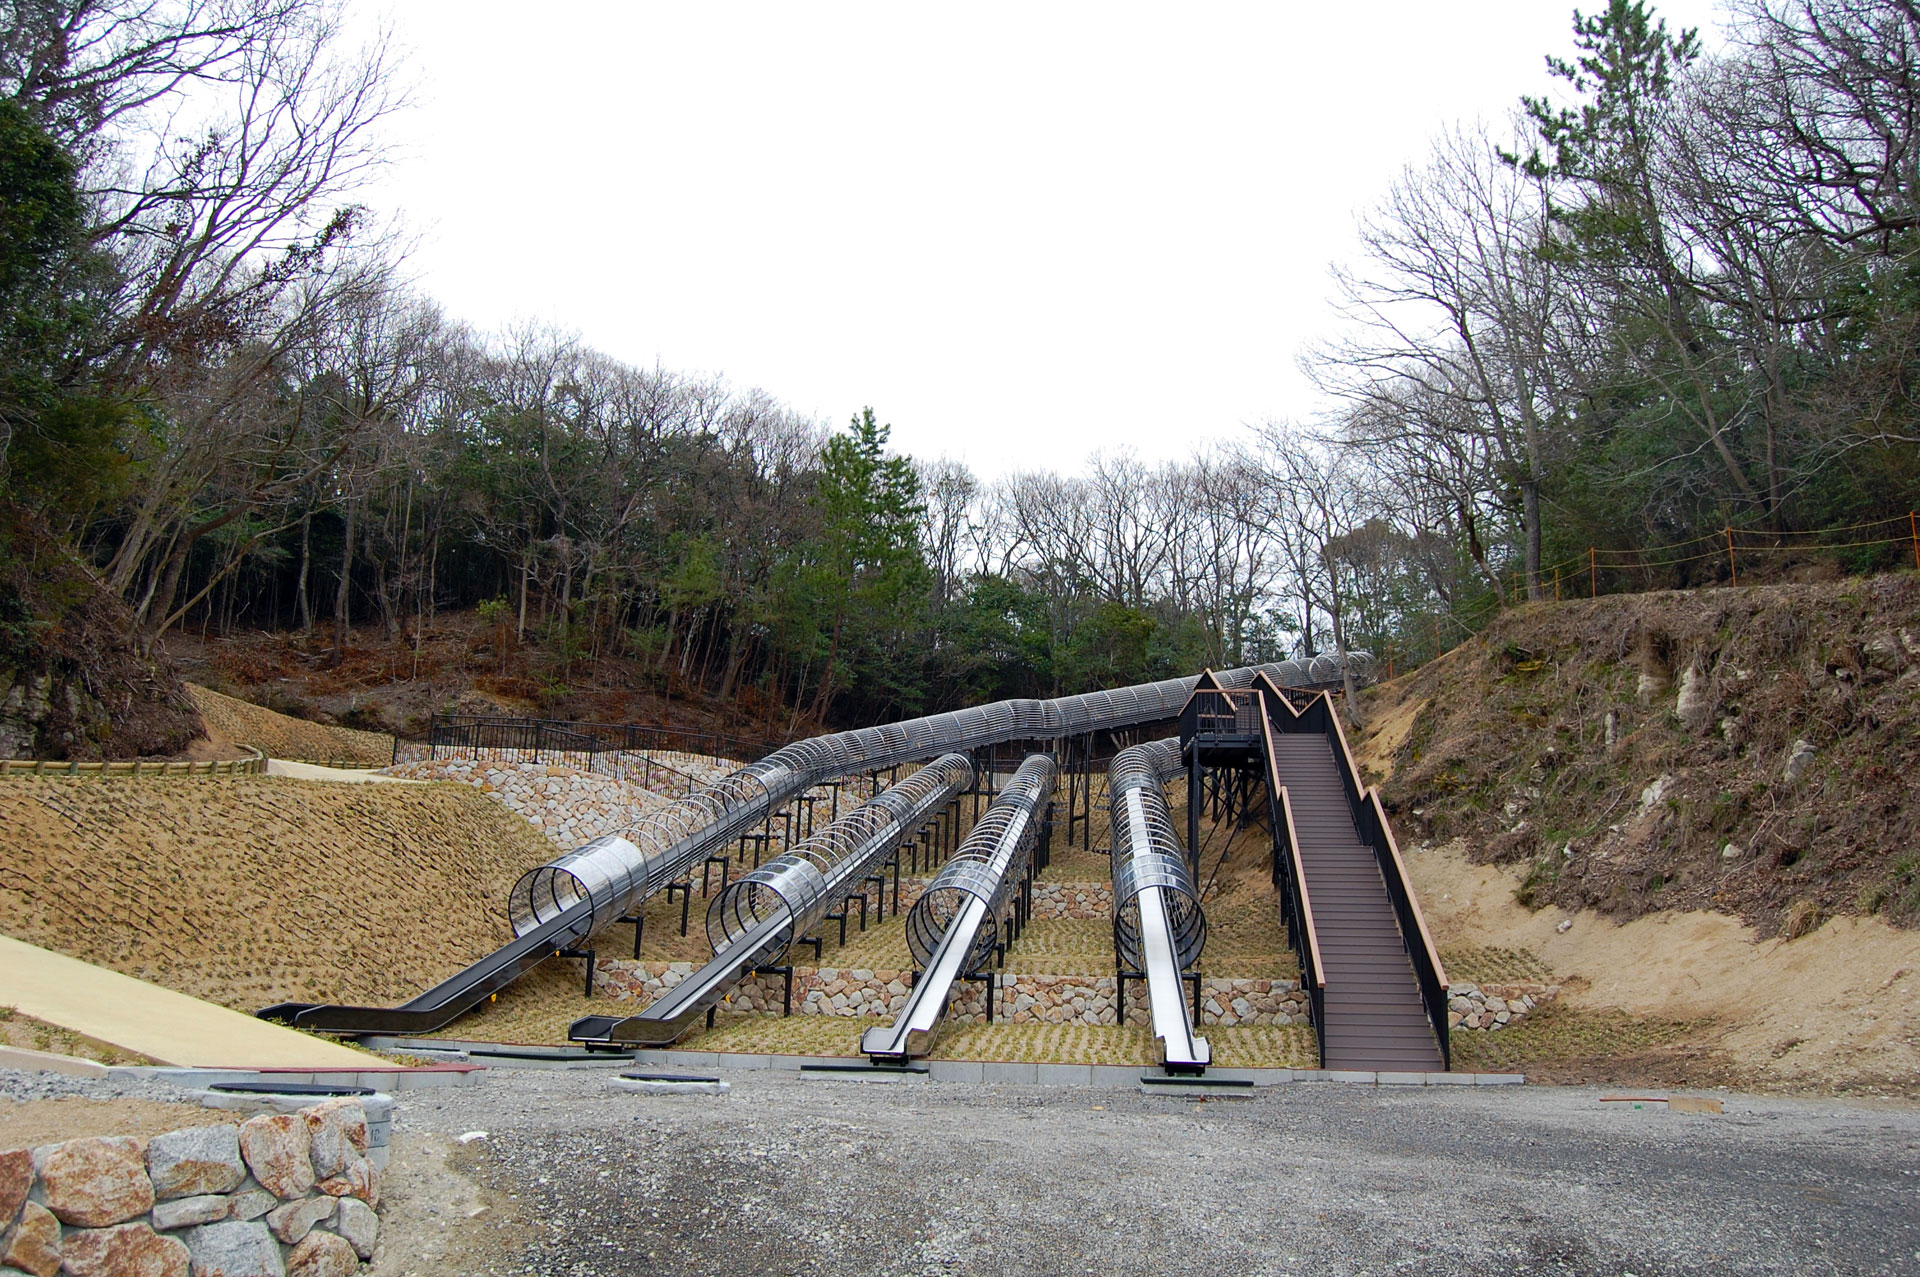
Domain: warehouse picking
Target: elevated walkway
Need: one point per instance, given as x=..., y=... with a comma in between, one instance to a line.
x=1374, y=980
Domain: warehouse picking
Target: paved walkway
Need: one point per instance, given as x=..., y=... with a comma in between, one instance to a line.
x=164, y=1026
x=350, y=775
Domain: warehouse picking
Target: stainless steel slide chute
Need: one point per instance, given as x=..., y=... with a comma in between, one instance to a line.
x=1159, y=929
x=956, y=925
x=759, y=916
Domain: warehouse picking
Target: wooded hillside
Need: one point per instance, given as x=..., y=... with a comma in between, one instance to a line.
x=1675, y=303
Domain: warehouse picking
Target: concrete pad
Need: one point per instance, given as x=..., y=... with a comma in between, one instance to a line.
x=1450, y=1079
x=655, y=1086
x=1389, y=1077
x=958, y=1071
x=1064, y=1074
x=1114, y=1074
x=164, y=1026
x=1007, y=1073
x=1366, y=1077
x=865, y=1075
x=29, y=1061
x=1499, y=1079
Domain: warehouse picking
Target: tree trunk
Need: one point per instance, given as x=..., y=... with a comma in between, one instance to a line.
x=1530, y=512
x=306, y=565
x=343, y=595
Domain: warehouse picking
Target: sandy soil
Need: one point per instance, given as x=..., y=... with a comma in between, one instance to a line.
x=251, y=890
x=1839, y=1007
x=237, y=722
x=25, y=1123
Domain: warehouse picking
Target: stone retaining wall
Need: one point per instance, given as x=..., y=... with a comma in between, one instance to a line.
x=1495, y=1006
x=569, y=806
x=281, y=1195
x=1072, y=900
x=1022, y=999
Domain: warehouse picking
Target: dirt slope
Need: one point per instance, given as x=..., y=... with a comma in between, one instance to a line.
x=1631, y=754
x=251, y=890
x=1837, y=1009
x=1603, y=787
x=282, y=736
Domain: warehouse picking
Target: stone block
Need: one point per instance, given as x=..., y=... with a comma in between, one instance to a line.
x=93, y=1183
x=185, y=1212
x=294, y=1220
x=323, y=1255
x=34, y=1244
x=16, y=1181
x=1389, y=1077
x=251, y=1204
x=357, y=1222
x=275, y=1147
x=234, y=1249
x=125, y=1250
x=339, y=1132
x=205, y=1159
x=360, y=1179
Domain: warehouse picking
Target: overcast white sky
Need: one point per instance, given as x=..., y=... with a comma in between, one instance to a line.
x=1020, y=232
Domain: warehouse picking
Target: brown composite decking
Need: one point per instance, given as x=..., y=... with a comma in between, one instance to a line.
x=1374, y=1016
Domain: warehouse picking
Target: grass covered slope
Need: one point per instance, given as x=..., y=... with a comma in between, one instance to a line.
x=1751, y=751
x=251, y=890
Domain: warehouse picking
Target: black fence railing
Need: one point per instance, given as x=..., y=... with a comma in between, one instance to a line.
x=574, y=744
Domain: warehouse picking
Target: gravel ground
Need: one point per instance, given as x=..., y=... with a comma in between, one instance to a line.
x=802, y=1175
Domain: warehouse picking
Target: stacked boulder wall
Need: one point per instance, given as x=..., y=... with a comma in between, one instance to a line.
x=252, y=890
x=1748, y=751
x=74, y=683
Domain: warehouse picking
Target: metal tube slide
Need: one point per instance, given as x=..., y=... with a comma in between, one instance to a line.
x=619, y=874
x=565, y=902
x=757, y=918
x=955, y=925
x=1158, y=926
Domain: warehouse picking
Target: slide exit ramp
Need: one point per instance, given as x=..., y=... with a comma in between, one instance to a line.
x=758, y=918
x=956, y=926
x=1159, y=928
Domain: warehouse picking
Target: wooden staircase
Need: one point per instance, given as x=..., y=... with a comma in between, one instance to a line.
x=1374, y=1015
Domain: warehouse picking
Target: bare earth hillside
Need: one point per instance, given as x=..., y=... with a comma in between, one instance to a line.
x=237, y=722
x=1604, y=787
x=251, y=890
x=1752, y=751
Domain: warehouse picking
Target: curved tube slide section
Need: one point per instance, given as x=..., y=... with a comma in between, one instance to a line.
x=1158, y=926
x=758, y=917
x=956, y=924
